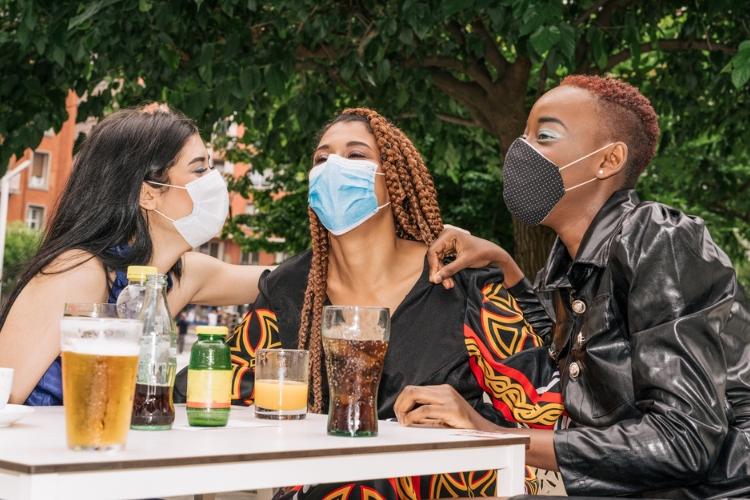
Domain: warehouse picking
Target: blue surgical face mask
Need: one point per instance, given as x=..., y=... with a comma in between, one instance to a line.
x=342, y=193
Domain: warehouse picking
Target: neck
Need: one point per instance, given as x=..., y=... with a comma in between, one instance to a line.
x=367, y=254
x=168, y=248
x=571, y=224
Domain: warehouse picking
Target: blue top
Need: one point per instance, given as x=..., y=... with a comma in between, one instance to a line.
x=48, y=391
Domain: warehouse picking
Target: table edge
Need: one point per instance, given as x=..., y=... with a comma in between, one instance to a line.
x=252, y=457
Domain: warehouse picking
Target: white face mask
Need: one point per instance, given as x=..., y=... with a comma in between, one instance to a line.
x=210, y=208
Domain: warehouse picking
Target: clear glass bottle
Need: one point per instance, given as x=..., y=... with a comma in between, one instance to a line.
x=153, y=408
x=130, y=300
x=209, y=385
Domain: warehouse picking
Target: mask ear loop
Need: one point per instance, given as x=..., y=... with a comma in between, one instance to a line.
x=584, y=157
x=166, y=185
x=382, y=206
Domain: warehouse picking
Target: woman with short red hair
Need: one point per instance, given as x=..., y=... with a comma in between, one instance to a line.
x=652, y=330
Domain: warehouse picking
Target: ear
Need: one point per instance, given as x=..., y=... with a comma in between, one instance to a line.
x=149, y=196
x=614, y=161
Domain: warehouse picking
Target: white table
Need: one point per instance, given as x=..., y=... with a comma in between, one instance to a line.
x=249, y=454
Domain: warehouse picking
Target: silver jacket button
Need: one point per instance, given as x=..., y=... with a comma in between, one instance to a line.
x=574, y=370
x=579, y=306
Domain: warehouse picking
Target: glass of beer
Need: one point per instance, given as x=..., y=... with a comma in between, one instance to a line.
x=99, y=364
x=281, y=381
x=355, y=340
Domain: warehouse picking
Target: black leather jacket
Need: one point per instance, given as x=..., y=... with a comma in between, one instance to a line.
x=652, y=339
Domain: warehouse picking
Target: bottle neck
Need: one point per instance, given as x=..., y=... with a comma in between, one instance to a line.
x=207, y=336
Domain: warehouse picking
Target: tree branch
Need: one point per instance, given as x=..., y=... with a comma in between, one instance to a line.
x=670, y=46
x=470, y=94
x=443, y=117
x=474, y=70
x=457, y=33
x=491, y=52
x=594, y=9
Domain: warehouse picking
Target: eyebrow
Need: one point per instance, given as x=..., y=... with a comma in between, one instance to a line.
x=551, y=119
x=197, y=159
x=348, y=145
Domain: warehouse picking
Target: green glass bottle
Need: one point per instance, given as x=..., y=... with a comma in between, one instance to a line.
x=209, y=390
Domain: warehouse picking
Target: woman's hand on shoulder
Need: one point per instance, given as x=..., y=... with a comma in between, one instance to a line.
x=470, y=252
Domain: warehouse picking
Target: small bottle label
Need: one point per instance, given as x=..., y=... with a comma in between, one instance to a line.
x=209, y=388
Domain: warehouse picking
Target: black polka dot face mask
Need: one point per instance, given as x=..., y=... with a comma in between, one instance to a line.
x=532, y=184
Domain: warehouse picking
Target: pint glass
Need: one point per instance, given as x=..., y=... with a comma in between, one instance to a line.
x=99, y=363
x=355, y=340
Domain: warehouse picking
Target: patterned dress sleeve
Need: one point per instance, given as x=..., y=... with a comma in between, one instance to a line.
x=259, y=329
x=508, y=357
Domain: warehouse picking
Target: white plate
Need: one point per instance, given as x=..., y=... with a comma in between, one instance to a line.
x=13, y=413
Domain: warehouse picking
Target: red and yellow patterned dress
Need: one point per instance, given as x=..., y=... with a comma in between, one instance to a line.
x=476, y=337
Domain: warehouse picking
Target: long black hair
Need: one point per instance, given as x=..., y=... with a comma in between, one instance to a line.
x=100, y=209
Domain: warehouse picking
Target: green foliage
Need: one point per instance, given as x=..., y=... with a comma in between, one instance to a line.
x=457, y=75
x=20, y=245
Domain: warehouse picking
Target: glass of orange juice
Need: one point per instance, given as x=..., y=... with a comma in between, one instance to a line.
x=281, y=377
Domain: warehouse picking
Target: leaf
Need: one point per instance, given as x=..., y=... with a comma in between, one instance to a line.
x=545, y=38
x=91, y=10
x=384, y=70
x=58, y=55
x=274, y=80
x=740, y=76
x=452, y=7
x=568, y=40
x=144, y=5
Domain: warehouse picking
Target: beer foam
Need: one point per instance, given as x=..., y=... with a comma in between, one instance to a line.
x=100, y=347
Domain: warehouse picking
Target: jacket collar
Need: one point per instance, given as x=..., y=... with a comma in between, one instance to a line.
x=561, y=271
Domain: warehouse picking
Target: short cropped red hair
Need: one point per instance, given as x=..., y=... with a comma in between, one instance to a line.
x=630, y=116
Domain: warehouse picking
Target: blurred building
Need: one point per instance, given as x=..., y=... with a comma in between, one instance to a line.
x=34, y=192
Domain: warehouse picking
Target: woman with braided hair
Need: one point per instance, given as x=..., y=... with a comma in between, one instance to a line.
x=373, y=212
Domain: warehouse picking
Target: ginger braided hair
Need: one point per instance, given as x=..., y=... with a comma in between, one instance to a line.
x=416, y=214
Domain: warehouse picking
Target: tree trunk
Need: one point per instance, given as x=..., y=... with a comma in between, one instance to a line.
x=531, y=247
x=498, y=107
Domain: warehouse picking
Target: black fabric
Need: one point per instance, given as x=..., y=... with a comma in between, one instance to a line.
x=419, y=353
x=532, y=185
x=659, y=398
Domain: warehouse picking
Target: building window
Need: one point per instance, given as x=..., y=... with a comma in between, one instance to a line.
x=39, y=173
x=279, y=257
x=35, y=217
x=250, y=258
x=212, y=248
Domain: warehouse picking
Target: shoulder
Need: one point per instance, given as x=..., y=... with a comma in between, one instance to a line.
x=289, y=275
x=659, y=229
x=476, y=283
x=77, y=275
x=78, y=265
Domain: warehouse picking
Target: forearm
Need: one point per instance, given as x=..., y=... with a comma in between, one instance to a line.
x=513, y=274
x=541, y=450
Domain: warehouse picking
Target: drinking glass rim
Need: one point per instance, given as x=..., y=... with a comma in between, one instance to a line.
x=365, y=308
x=282, y=349
x=97, y=319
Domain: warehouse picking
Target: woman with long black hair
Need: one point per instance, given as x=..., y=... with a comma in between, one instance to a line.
x=142, y=191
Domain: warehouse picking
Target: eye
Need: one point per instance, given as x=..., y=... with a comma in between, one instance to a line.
x=319, y=159
x=546, y=135
x=357, y=155
x=200, y=170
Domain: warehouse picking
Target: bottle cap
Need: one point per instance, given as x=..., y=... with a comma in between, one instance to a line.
x=140, y=272
x=212, y=330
